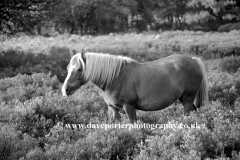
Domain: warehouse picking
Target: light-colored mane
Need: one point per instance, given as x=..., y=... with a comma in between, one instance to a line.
x=101, y=68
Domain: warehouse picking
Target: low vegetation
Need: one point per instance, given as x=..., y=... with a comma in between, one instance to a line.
x=31, y=105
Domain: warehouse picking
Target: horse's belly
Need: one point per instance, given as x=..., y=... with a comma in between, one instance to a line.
x=158, y=100
x=156, y=94
x=152, y=106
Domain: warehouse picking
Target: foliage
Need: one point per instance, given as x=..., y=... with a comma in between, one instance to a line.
x=23, y=15
x=107, y=16
x=173, y=10
x=143, y=47
x=24, y=87
x=36, y=122
x=13, y=62
x=229, y=27
x=217, y=9
x=230, y=64
x=101, y=16
x=223, y=86
x=30, y=129
x=215, y=136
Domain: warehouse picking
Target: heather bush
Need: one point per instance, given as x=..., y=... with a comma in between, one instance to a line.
x=235, y=26
x=217, y=136
x=37, y=154
x=24, y=87
x=223, y=86
x=13, y=144
x=230, y=64
x=225, y=27
x=143, y=47
x=99, y=144
x=7, y=140
x=13, y=62
x=229, y=27
x=38, y=123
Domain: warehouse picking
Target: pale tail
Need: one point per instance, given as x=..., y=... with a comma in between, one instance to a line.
x=202, y=94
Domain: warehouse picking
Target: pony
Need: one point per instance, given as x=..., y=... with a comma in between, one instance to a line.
x=128, y=85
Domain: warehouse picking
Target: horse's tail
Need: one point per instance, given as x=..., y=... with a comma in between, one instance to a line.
x=202, y=94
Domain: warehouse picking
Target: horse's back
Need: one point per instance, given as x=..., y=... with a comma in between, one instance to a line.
x=174, y=66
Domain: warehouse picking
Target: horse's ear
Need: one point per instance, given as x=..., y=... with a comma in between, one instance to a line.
x=83, y=55
x=72, y=52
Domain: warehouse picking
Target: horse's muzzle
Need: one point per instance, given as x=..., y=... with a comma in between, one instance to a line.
x=69, y=92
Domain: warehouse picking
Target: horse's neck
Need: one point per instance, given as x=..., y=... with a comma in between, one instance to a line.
x=126, y=69
x=102, y=79
x=103, y=71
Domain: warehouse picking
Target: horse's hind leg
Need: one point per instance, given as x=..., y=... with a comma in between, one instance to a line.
x=187, y=101
x=131, y=112
x=188, y=107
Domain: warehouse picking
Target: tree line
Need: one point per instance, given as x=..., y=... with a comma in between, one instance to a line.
x=107, y=16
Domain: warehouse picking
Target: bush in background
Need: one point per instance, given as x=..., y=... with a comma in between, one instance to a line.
x=229, y=27
x=230, y=64
x=13, y=62
x=224, y=87
x=25, y=87
x=143, y=47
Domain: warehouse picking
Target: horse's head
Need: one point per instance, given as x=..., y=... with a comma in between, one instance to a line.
x=75, y=77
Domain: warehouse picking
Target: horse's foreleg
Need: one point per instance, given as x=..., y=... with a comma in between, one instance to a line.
x=131, y=112
x=113, y=114
x=110, y=114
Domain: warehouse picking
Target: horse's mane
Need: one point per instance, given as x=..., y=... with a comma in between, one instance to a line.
x=101, y=68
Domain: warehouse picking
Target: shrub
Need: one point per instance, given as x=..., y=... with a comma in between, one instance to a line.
x=230, y=64
x=59, y=58
x=31, y=106
x=13, y=145
x=217, y=137
x=143, y=47
x=24, y=87
x=99, y=144
x=224, y=87
x=225, y=27
x=229, y=27
x=235, y=26
x=7, y=140
x=36, y=153
x=13, y=62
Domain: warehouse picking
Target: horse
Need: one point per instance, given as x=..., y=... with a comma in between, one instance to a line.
x=128, y=85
